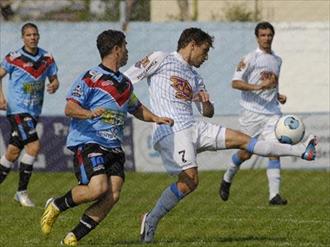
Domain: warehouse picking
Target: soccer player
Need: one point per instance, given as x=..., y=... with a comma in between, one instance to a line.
x=173, y=86
x=98, y=102
x=260, y=108
x=28, y=69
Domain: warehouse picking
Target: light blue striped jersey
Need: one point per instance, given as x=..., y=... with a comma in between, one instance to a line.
x=172, y=85
x=100, y=87
x=250, y=70
x=27, y=75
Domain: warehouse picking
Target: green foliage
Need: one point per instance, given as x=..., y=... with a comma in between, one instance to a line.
x=201, y=219
x=141, y=11
x=240, y=13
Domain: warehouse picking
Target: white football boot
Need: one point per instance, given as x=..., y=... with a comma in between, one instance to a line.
x=23, y=198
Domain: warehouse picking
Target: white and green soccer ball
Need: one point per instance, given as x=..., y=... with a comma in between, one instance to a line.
x=290, y=129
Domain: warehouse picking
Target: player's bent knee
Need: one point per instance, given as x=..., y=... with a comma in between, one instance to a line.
x=96, y=192
x=244, y=155
x=33, y=148
x=115, y=196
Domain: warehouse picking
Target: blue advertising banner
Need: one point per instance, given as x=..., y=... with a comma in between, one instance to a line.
x=54, y=156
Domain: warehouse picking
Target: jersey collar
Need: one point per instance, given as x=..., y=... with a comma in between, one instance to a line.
x=261, y=51
x=29, y=53
x=180, y=58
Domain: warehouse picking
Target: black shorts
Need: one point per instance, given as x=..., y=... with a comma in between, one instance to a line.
x=23, y=129
x=93, y=159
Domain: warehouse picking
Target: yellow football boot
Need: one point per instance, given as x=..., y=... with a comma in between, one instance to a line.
x=49, y=216
x=70, y=240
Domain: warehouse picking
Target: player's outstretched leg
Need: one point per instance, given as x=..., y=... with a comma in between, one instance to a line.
x=305, y=150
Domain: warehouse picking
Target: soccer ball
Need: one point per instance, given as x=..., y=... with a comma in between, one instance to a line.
x=290, y=129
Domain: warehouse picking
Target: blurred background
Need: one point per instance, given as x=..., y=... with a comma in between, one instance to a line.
x=69, y=28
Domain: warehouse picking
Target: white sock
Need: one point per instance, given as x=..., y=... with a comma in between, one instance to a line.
x=266, y=148
x=5, y=162
x=233, y=168
x=28, y=159
x=274, y=181
x=230, y=173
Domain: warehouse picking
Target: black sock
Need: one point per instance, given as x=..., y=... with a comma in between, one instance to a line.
x=85, y=225
x=65, y=202
x=3, y=172
x=25, y=172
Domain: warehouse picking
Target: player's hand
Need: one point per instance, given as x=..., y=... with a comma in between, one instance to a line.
x=165, y=120
x=96, y=112
x=52, y=87
x=201, y=96
x=281, y=98
x=3, y=104
x=268, y=81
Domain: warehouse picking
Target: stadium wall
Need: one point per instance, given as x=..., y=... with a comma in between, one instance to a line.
x=304, y=48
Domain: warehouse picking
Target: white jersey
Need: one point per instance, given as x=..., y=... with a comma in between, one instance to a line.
x=250, y=70
x=172, y=85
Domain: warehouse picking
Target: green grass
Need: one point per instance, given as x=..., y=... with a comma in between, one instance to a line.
x=201, y=219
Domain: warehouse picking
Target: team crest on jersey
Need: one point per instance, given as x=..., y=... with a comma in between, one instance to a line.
x=241, y=65
x=182, y=87
x=77, y=91
x=142, y=63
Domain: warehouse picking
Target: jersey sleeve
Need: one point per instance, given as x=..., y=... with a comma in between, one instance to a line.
x=145, y=67
x=242, y=69
x=78, y=92
x=6, y=62
x=133, y=104
x=53, y=69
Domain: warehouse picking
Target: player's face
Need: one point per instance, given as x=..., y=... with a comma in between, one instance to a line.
x=31, y=38
x=123, y=54
x=199, y=54
x=265, y=39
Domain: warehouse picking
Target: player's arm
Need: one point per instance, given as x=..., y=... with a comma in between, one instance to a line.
x=53, y=84
x=268, y=81
x=204, y=99
x=3, y=102
x=144, y=114
x=145, y=67
x=281, y=98
x=74, y=110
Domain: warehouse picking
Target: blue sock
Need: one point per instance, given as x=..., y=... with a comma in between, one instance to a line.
x=274, y=164
x=251, y=145
x=236, y=160
x=168, y=200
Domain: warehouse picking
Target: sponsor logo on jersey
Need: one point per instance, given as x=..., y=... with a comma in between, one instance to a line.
x=108, y=134
x=241, y=65
x=113, y=117
x=33, y=87
x=182, y=87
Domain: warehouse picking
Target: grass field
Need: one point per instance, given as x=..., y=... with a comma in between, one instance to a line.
x=201, y=219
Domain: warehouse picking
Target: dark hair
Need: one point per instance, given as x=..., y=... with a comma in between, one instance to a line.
x=28, y=25
x=263, y=25
x=194, y=34
x=107, y=40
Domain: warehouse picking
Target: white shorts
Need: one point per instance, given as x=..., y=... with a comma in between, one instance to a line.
x=179, y=150
x=258, y=125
